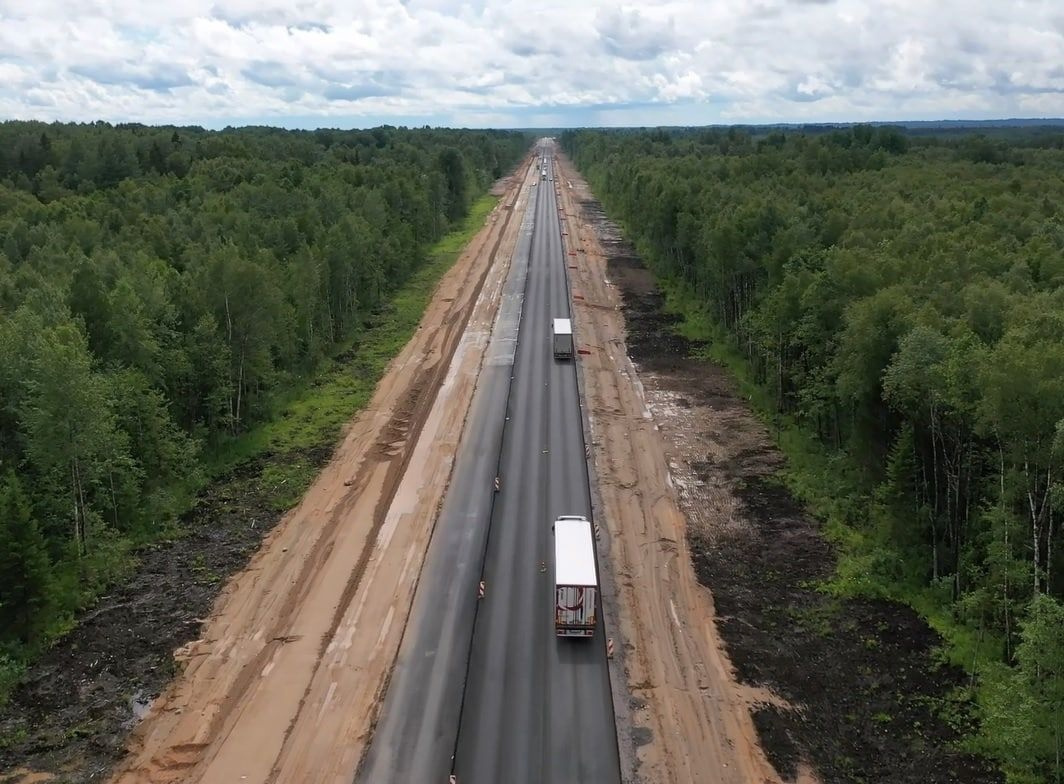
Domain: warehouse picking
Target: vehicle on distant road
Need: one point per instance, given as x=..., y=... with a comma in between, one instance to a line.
x=563, y=338
x=575, y=577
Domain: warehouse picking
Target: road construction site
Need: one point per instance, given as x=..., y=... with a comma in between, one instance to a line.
x=396, y=625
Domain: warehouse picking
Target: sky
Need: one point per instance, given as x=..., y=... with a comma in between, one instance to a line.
x=528, y=63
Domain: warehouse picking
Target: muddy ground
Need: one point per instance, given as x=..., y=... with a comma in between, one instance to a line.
x=860, y=683
x=76, y=706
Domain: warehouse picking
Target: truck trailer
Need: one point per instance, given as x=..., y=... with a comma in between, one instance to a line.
x=575, y=577
x=562, y=336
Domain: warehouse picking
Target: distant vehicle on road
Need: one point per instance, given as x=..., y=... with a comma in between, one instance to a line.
x=544, y=175
x=563, y=338
x=575, y=577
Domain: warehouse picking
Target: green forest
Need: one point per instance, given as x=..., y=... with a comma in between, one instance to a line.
x=159, y=289
x=900, y=300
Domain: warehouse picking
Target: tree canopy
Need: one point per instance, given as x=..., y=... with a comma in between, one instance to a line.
x=159, y=285
x=903, y=298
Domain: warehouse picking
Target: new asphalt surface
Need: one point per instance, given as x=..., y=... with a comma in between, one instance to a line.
x=483, y=688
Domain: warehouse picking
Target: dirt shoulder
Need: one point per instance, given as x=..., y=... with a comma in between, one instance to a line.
x=281, y=680
x=838, y=690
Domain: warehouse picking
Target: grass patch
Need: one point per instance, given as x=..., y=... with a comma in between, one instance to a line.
x=821, y=619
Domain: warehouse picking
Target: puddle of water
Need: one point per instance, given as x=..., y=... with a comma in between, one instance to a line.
x=139, y=704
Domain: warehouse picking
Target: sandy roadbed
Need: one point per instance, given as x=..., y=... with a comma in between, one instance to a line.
x=284, y=683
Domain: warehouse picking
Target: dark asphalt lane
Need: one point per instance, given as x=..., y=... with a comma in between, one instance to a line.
x=537, y=709
x=485, y=689
x=415, y=736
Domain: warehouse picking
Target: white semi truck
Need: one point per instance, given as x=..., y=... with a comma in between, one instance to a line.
x=562, y=336
x=575, y=577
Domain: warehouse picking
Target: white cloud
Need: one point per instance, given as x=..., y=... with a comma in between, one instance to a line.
x=524, y=62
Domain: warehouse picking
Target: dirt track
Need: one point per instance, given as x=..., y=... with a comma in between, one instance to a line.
x=693, y=721
x=284, y=683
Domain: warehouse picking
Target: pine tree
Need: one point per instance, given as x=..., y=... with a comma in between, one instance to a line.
x=25, y=581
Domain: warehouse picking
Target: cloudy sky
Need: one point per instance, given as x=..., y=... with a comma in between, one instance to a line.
x=311, y=63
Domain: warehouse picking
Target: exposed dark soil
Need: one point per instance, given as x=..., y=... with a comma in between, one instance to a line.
x=649, y=332
x=75, y=708
x=868, y=692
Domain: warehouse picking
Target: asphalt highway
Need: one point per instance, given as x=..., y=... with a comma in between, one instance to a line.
x=487, y=680
x=537, y=708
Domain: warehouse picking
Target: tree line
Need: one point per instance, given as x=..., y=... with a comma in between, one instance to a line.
x=903, y=299
x=157, y=287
